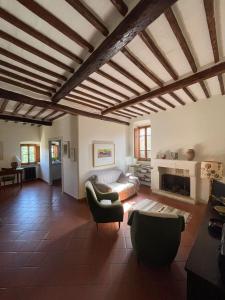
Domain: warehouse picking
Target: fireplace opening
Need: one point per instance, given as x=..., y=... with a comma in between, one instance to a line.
x=176, y=184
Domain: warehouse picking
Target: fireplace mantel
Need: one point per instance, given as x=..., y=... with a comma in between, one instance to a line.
x=190, y=166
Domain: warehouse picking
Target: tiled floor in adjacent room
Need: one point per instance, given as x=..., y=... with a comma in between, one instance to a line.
x=50, y=249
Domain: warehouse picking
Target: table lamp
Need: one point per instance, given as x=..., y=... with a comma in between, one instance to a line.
x=211, y=170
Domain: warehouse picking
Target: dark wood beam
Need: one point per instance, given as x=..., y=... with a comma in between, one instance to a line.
x=177, y=98
x=158, y=54
x=82, y=103
x=183, y=44
x=30, y=64
x=120, y=6
x=121, y=115
x=29, y=110
x=48, y=17
x=163, y=100
x=118, y=82
x=86, y=87
x=35, y=51
x=90, y=96
x=210, y=17
x=17, y=107
x=39, y=36
x=204, y=88
x=168, y=88
x=189, y=93
x=143, y=14
x=50, y=105
x=26, y=80
x=126, y=113
x=132, y=113
x=156, y=104
x=109, y=89
x=128, y=75
x=3, y=105
x=147, y=107
x=144, y=111
x=24, y=86
x=48, y=116
x=20, y=118
x=88, y=15
x=58, y=116
x=141, y=66
x=31, y=74
x=87, y=100
x=39, y=113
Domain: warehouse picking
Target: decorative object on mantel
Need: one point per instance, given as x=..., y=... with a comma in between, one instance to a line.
x=211, y=170
x=190, y=154
x=163, y=156
x=103, y=154
x=174, y=155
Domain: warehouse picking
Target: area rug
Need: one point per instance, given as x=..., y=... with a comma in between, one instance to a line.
x=154, y=206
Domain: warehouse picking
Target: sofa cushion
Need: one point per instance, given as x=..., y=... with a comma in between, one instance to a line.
x=158, y=214
x=108, y=176
x=120, y=187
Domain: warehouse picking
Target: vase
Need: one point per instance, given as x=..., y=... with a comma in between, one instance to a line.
x=190, y=154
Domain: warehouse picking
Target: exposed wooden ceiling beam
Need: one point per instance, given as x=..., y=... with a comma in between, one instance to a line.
x=86, y=87
x=39, y=113
x=85, y=100
x=156, y=104
x=29, y=110
x=84, y=103
x=177, y=98
x=50, y=105
x=143, y=14
x=88, y=15
x=118, y=82
x=58, y=116
x=121, y=115
x=17, y=107
x=20, y=118
x=90, y=96
x=31, y=65
x=24, y=86
x=3, y=105
x=210, y=17
x=183, y=44
x=109, y=89
x=146, y=107
x=158, y=54
x=168, y=88
x=31, y=74
x=39, y=36
x=121, y=6
x=131, y=112
x=141, y=66
x=163, y=100
x=35, y=51
x=126, y=113
x=144, y=111
x=26, y=80
x=189, y=93
x=128, y=75
x=48, y=17
x=48, y=116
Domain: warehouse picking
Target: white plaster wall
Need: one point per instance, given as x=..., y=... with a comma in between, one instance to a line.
x=11, y=135
x=66, y=129
x=200, y=126
x=92, y=130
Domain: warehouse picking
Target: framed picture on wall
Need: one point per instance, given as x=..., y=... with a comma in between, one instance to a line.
x=65, y=149
x=103, y=154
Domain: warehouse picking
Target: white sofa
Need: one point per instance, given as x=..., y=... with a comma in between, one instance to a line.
x=114, y=180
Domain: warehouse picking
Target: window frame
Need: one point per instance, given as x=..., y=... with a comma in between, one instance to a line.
x=36, y=155
x=137, y=143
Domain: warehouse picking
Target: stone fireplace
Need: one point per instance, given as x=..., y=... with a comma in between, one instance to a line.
x=175, y=179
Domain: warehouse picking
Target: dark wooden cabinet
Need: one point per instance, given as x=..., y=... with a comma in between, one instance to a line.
x=203, y=274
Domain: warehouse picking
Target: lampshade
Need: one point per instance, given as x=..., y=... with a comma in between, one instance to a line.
x=211, y=170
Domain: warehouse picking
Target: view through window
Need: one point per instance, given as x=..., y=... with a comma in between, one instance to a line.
x=29, y=153
x=142, y=143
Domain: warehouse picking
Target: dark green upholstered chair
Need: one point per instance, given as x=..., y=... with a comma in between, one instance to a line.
x=104, y=213
x=156, y=239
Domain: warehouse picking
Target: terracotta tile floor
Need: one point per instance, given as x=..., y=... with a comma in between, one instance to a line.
x=50, y=249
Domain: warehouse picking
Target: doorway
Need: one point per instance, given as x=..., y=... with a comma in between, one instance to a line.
x=55, y=162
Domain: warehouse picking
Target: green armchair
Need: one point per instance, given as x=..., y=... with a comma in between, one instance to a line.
x=156, y=239
x=104, y=213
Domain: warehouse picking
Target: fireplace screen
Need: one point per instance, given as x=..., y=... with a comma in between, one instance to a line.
x=176, y=184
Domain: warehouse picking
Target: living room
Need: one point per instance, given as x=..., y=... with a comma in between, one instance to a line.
x=112, y=119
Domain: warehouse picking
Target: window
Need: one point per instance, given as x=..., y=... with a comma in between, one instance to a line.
x=30, y=154
x=55, y=152
x=142, y=143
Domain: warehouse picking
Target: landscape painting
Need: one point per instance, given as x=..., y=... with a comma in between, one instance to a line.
x=103, y=154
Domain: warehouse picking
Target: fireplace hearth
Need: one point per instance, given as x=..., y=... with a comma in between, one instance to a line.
x=176, y=184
